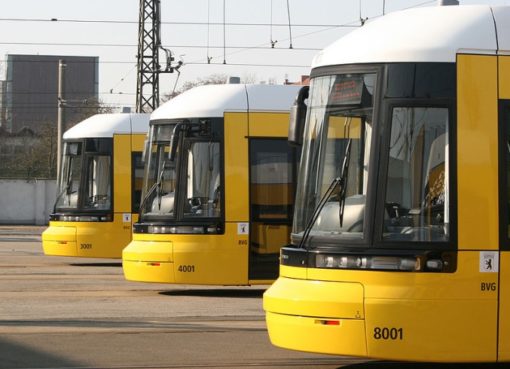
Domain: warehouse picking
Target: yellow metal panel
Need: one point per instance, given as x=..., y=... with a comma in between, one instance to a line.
x=315, y=298
x=122, y=173
x=236, y=167
x=269, y=238
x=431, y=316
x=313, y=335
x=292, y=272
x=504, y=77
x=137, y=142
x=445, y=330
x=148, y=250
x=504, y=307
x=188, y=258
x=148, y=259
x=59, y=239
x=477, y=152
x=269, y=124
x=87, y=239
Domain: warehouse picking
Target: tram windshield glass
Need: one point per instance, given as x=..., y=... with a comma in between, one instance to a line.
x=186, y=186
x=333, y=177
x=86, y=176
x=417, y=198
x=160, y=179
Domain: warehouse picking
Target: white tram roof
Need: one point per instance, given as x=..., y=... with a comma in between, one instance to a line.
x=430, y=34
x=106, y=125
x=213, y=101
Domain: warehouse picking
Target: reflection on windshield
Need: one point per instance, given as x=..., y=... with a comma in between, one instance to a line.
x=340, y=111
x=159, y=185
x=69, y=178
x=417, y=206
x=98, y=182
x=203, y=180
x=190, y=182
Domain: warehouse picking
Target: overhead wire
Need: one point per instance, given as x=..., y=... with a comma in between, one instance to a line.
x=253, y=24
x=209, y=24
x=290, y=27
x=132, y=45
x=224, y=35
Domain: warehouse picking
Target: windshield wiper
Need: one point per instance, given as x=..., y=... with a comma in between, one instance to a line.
x=338, y=181
x=324, y=199
x=158, y=185
x=343, y=182
x=65, y=190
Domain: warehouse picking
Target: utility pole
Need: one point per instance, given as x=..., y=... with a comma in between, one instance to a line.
x=61, y=116
x=149, y=45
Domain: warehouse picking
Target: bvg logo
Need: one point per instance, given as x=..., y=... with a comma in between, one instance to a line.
x=488, y=286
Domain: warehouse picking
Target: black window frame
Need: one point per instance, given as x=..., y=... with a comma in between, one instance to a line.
x=503, y=174
x=84, y=154
x=379, y=240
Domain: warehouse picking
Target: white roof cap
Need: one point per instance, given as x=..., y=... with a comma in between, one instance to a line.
x=431, y=34
x=212, y=101
x=106, y=125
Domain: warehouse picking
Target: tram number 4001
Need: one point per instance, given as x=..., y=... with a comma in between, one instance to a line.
x=186, y=268
x=383, y=333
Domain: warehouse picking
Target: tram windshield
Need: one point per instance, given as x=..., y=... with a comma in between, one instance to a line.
x=339, y=126
x=189, y=181
x=85, y=179
x=411, y=193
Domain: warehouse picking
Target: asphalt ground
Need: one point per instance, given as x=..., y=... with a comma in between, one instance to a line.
x=58, y=312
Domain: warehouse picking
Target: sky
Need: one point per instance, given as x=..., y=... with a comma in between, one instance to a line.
x=194, y=31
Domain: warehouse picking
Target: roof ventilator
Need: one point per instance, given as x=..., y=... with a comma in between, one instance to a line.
x=447, y=2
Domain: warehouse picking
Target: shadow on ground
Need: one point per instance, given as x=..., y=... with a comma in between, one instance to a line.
x=401, y=365
x=235, y=293
x=97, y=264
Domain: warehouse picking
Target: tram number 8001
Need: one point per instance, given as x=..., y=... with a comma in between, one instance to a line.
x=186, y=268
x=388, y=333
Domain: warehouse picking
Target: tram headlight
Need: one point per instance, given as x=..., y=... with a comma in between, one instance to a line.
x=82, y=218
x=367, y=262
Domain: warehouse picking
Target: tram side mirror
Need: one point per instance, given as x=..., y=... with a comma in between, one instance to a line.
x=297, y=117
x=145, y=149
x=174, y=141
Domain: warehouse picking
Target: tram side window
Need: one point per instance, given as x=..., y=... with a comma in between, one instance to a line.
x=203, y=183
x=271, y=180
x=137, y=181
x=98, y=182
x=417, y=193
x=69, y=184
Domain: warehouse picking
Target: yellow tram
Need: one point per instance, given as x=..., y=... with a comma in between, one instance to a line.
x=98, y=188
x=401, y=234
x=218, y=190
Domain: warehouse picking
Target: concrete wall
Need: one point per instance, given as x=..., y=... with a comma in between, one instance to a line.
x=26, y=201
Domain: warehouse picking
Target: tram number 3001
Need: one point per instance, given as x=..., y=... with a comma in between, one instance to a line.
x=388, y=333
x=186, y=268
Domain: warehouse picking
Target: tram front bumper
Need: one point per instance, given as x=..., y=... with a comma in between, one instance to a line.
x=316, y=316
x=148, y=261
x=59, y=240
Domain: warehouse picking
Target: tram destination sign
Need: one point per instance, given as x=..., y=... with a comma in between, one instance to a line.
x=348, y=90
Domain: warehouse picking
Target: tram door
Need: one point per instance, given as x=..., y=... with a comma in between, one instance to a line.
x=272, y=178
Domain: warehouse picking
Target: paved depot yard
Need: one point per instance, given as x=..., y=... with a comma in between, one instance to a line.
x=58, y=312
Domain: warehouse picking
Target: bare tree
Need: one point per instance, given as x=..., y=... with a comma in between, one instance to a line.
x=34, y=155
x=213, y=79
